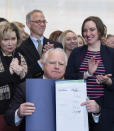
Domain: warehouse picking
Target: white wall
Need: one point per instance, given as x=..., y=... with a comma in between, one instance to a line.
x=60, y=14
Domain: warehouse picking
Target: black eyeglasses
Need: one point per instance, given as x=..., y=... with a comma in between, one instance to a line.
x=40, y=22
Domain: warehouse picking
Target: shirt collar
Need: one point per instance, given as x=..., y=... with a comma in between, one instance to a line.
x=34, y=40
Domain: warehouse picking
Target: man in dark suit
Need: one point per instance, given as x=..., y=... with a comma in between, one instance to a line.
x=54, y=66
x=36, y=23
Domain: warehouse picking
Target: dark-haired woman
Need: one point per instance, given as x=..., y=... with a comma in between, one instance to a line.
x=91, y=60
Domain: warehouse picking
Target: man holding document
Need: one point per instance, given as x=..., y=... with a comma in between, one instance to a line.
x=54, y=65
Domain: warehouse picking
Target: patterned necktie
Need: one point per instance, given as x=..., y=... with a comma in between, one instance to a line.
x=39, y=48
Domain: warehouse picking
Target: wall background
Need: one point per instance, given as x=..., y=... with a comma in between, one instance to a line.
x=60, y=14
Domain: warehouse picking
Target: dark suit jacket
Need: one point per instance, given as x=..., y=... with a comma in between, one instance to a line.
x=18, y=98
x=31, y=55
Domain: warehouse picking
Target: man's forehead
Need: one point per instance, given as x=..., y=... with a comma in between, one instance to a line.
x=54, y=60
x=56, y=54
x=37, y=14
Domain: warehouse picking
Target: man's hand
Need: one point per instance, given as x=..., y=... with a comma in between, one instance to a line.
x=47, y=47
x=26, y=109
x=92, y=106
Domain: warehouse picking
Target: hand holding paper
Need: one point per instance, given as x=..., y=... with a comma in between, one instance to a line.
x=26, y=109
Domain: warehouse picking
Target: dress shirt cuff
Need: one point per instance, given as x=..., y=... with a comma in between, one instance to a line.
x=17, y=118
x=96, y=117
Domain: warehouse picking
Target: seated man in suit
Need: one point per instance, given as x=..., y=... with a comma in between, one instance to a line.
x=32, y=47
x=54, y=65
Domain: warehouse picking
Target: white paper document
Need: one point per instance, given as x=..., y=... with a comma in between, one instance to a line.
x=70, y=116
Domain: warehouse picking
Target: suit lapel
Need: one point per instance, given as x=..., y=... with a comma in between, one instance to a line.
x=30, y=48
x=45, y=40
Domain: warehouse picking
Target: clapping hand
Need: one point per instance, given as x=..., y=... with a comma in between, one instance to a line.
x=104, y=79
x=16, y=68
x=92, y=65
x=47, y=47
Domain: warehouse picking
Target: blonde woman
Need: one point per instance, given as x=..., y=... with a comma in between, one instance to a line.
x=81, y=41
x=69, y=41
x=13, y=67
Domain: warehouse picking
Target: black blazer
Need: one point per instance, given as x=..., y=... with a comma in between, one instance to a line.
x=77, y=56
x=107, y=101
x=31, y=55
x=18, y=98
x=107, y=106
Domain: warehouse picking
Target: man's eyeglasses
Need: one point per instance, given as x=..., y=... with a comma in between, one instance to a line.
x=40, y=22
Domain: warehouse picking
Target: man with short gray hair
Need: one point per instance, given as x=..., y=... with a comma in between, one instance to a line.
x=33, y=47
x=54, y=66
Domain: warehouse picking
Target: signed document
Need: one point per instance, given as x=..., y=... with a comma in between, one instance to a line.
x=70, y=116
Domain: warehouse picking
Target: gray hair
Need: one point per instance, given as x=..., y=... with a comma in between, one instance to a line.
x=54, y=50
x=28, y=16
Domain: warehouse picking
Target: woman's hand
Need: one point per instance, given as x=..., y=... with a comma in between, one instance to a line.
x=16, y=68
x=92, y=65
x=104, y=79
x=13, y=65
